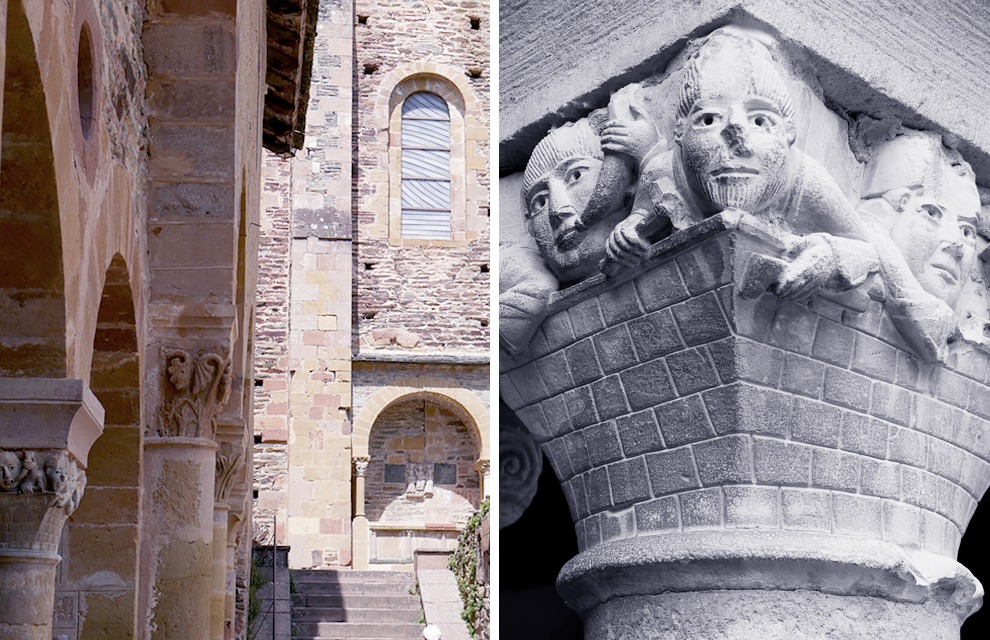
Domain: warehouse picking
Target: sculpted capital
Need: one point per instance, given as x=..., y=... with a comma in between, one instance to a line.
x=196, y=389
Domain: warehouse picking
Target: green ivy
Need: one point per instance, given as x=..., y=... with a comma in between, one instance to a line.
x=254, y=604
x=464, y=564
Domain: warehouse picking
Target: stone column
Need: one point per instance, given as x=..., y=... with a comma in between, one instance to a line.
x=49, y=427
x=751, y=467
x=234, y=526
x=193, y=384
x=484, y=469
x=359, y=529
x=229, y=461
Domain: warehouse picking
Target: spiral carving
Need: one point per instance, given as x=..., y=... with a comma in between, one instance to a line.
x=520, y=464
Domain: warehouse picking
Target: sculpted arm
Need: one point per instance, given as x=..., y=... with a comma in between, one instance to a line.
x=525, y=282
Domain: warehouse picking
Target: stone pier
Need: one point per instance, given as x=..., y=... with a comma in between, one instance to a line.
x=50, y=426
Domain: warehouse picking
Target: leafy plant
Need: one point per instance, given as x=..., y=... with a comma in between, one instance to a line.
x=464, y=563
x=254, y=603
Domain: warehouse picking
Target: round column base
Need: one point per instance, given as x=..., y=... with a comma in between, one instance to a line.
x=768, y=615
x=753, y=585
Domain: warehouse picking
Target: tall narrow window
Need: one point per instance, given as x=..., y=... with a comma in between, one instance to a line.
x=425, y=167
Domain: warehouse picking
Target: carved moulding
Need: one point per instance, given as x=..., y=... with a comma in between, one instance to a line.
x=197, y=386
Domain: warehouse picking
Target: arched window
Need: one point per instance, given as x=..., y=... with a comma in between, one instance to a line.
x=425, y=167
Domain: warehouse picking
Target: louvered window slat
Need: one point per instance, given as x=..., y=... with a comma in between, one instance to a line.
x=425, y=167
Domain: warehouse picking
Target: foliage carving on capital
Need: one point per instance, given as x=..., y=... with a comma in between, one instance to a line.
x=361, y=465
x=197, y=388
x=230, y=458
x=27, y=471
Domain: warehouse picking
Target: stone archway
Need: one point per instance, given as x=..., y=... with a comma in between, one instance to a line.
x=421, y=484
x=32, y=285
x=95, y=589
x=435, y=435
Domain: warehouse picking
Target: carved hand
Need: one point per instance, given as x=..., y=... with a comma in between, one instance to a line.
x=811, y=264
x=521, y=309
x=631, y=133
x=627, y=243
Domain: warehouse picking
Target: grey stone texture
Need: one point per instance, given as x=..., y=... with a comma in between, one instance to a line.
x=703, y=421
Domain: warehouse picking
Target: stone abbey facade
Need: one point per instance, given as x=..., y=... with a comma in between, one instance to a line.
x=744, y=314
x=130, y=181
x=372, y=386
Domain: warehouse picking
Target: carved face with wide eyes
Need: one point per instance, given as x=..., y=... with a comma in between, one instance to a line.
x=735, y=150
x=937, y=237
x=10, y=470
x=554, y=206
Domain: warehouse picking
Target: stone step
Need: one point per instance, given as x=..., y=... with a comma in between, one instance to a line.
x=356, y=630
x=321, y=575
x=340, y=614
x=355, y=600
x=355, y=588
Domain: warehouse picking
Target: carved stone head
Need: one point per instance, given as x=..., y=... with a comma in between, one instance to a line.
x=934, y=209
x=735, y=125
x=559, y=181
x=10, y=470
x=59, y=472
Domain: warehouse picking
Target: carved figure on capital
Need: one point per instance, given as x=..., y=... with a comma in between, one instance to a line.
x=576, y=188
x=198, y=386
x=735, y=136
x=921, y=200
x=21, y=473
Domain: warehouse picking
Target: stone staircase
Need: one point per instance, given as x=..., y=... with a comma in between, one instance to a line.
x=356, y=605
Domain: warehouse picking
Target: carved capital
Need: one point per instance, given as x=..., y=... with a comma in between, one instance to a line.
x=197, y=386
x=39, y=490
x=483, y=467
x=361, y=465
x=230, y=457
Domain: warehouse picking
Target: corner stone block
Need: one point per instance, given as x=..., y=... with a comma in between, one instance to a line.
x=672, y=471
x=701, y=509
x=744, y=408
x=805, y=510
x=724, y=460
x=856, y=515
x=707, y=266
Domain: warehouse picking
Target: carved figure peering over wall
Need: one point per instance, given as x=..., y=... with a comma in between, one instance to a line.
x=198, y=386
x=43, y=472
x=599, y=192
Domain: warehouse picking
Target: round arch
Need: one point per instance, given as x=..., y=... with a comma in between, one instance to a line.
x=448, y=82
x=430, y=387
x=466, y=111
